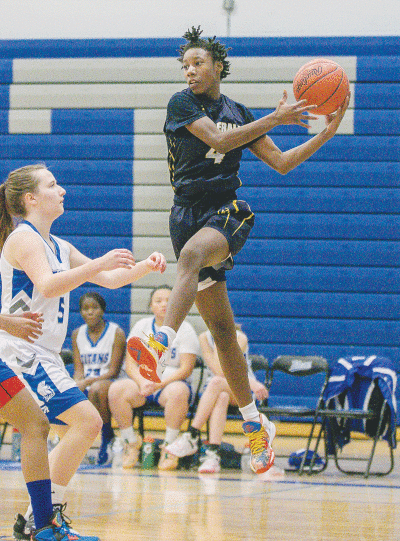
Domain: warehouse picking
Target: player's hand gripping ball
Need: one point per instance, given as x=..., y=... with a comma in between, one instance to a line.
x=323, y=83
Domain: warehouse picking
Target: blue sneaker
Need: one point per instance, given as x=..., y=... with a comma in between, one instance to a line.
x=58, y=529
x=260, y=436
x=150, y=355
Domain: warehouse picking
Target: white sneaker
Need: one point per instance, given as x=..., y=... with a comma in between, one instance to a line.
x=211, y=462
x=131, y=452
x=168, y=461
x=185, y=445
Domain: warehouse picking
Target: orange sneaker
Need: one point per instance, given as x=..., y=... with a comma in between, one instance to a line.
x=151, y=356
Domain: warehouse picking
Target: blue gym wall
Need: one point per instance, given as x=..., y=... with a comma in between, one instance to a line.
x=320, y=273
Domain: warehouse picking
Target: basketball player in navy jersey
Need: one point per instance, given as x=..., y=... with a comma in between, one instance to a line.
x=206, y=132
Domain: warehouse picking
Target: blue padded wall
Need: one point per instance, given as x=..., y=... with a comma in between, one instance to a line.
x=320, y=273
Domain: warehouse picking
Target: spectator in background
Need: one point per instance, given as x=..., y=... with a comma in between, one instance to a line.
x=98, y=352
x=173, y=393
x=213, y=405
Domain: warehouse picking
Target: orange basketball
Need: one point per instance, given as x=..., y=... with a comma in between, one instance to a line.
x=321, y=82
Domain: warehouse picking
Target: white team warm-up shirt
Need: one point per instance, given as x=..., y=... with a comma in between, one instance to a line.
x=96, y=356
x=186, y=341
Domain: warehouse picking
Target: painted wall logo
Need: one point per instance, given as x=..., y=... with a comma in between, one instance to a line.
x=45, y=391
x=298, y=365
x=309, y=74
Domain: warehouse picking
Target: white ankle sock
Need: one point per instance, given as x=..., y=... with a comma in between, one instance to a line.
x=171, y=334
x=57, y=493
x=250, y=412
x=170, y=435
x=128, y=434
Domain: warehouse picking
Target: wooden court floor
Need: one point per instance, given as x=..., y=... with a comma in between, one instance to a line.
x=120, y=505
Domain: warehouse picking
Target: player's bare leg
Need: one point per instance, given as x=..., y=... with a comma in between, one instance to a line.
x=214, y=307
x=206, y=248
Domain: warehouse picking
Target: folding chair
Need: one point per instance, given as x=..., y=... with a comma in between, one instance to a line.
x=259, y=366
x=295, y=385
x=359, y=397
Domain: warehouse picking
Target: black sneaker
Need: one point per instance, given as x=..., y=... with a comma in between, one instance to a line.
x=58, y=529
x=22, y=528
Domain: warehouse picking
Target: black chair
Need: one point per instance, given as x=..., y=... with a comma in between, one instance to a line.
x=259, y=366
x=295, y=384
x=359, y=397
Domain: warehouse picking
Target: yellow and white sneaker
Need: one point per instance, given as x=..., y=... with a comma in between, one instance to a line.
x=260, y=437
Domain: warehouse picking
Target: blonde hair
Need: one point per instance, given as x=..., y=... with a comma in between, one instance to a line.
x=18, y=183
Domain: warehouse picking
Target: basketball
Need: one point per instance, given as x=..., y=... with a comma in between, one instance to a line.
x=323, y=83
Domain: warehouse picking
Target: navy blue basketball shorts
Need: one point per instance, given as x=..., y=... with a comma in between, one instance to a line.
x=234, y=219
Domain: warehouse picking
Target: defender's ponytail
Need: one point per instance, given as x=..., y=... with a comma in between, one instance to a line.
x=6, y=221
x=18, y=183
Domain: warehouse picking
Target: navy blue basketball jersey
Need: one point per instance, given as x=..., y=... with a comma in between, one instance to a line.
x=194, y=167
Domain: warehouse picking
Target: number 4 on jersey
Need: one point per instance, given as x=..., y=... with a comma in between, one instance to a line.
x=212, y=154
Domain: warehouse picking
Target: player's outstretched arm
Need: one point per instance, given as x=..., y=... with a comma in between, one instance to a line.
x=119, y=277
x=283, y=162
x=25, y=251
x=206, y=130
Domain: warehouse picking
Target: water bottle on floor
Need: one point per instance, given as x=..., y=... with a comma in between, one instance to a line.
x=148, y=453
x=16, y=446
x=245, y=460
x=117, y=450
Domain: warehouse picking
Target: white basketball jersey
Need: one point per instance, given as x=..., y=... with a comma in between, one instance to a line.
x=96, y=357
x=20, y=295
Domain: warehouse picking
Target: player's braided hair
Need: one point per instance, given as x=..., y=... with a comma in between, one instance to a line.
x=217, y=50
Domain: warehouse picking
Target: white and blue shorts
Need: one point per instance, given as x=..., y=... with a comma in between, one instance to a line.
x=44, y=375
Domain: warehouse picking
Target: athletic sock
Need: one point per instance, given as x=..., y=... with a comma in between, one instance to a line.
x=250, y=412
x=42, y=508
x=170, y=435
x=128, y=434
x=58, y=493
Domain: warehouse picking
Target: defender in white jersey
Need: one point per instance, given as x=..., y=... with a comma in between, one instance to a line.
x=173, y=393
x=98, y=352
x=213, y=405
x=38, y=272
